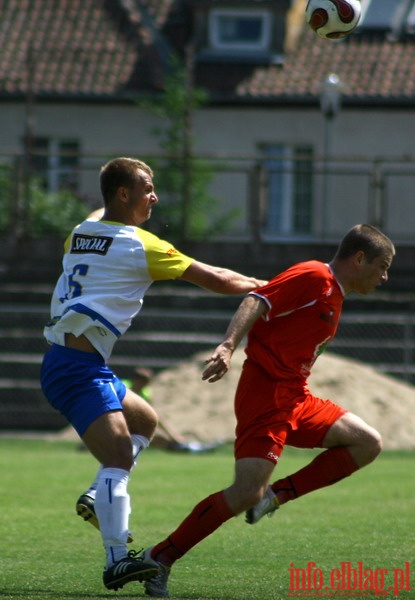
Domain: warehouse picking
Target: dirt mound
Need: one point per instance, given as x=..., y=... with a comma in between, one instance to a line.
x=204, y=411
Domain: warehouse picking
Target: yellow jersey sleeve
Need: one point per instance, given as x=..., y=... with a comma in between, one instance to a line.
x=163, y=260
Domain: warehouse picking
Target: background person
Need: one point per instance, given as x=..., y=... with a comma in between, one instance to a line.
x=165, y=436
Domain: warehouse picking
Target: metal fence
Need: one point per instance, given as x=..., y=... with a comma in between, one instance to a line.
x=160, y=338
x=290, y=195
x=281, y=197
x=163, y=336
x=384, y=341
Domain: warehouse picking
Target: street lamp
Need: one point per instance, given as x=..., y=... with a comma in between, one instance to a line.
x=330, y=92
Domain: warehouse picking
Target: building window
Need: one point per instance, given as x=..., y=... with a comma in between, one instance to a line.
x=289, y=198
x=55, y=162
x=239, y=29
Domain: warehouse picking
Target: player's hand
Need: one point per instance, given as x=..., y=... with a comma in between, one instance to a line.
x=218, y=364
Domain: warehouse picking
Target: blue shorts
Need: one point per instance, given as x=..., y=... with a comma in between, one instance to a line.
x=80, y=385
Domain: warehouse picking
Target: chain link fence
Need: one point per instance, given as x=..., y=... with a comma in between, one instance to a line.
x=161, y=337
x=285, y=195
x=280, y=194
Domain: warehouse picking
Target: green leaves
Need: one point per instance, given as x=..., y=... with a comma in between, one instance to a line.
x=29, y=210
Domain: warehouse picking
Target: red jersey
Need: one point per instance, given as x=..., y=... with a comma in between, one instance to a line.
x=305, y=304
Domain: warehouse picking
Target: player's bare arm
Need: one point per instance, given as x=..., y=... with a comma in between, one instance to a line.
x=96, y=215
x=249, y=311
x=221, y=281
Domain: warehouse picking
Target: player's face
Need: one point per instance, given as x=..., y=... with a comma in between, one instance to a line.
x=141, y=197
x=372, y=274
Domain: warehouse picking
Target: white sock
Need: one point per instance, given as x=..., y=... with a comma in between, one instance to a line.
x=112, y=505
x=92, y=490
x=139, y=442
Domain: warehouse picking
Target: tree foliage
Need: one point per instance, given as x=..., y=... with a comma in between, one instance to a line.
x=29, y=210
x=190, y=210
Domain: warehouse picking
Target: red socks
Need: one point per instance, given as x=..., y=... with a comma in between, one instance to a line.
x=204, y=519
x=327, y=468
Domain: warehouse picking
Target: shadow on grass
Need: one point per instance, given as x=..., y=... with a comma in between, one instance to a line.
x=46, y=594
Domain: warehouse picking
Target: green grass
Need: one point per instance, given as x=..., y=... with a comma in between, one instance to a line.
x=47, y=552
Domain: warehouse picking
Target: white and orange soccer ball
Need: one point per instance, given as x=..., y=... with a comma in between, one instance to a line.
x=333, y=19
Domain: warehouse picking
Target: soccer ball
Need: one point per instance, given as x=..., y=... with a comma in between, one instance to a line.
x=333, y=19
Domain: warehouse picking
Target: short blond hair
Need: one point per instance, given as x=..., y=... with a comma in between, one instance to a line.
x=120, y=172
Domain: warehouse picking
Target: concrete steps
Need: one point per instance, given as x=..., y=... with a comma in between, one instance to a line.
x=176, y=322
x=159, y=338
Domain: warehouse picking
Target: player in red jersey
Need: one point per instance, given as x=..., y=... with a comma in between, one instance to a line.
x=289, y=322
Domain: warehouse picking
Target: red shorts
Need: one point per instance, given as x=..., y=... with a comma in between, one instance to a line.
x=272, y=413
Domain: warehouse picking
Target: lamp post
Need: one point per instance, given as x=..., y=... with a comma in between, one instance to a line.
x=330, y=91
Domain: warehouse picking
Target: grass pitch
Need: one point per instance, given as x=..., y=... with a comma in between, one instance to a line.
x=358, y=534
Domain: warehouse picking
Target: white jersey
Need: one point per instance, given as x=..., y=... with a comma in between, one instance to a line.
x=107, y=269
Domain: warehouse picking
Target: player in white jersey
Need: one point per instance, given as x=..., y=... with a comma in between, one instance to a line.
x=101, y=302
x=108, y=265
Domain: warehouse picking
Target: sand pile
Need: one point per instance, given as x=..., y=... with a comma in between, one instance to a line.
x=204, y=411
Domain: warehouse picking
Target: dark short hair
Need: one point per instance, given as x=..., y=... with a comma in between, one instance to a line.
x=120, y=172
x=367, y=239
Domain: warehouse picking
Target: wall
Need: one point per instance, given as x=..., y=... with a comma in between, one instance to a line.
x=233, y=136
